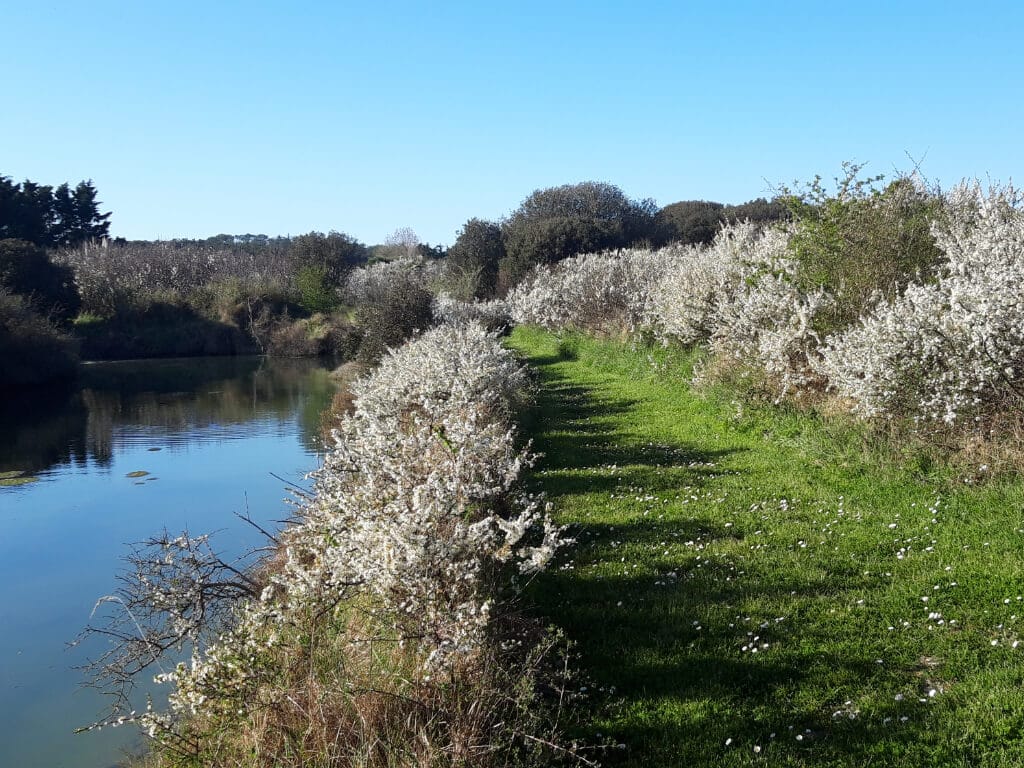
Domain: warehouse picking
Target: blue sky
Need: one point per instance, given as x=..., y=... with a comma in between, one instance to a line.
x=199, y=118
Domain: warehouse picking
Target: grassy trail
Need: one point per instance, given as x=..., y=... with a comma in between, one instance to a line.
x=748, y=589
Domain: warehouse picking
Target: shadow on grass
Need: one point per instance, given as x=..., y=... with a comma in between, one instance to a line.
x=668, y=634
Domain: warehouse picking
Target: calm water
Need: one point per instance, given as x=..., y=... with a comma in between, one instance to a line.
x=211, y=433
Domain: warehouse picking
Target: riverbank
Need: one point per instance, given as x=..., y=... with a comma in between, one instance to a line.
x=756, y=586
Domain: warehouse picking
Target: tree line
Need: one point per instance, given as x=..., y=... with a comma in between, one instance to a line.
x=51, y=217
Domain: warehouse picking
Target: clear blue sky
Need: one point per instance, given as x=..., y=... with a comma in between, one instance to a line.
x=198, y=118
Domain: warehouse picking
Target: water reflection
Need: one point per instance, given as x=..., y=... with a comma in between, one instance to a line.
x=182, y=401
x=216, y=437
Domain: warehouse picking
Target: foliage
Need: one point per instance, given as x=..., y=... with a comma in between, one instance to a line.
x=334, y=255
x=381, y=633
x=696, y=222
x=320, y=334
x=472, y=263
x=740, y=295
x=315, y=291
x=862, y=241
x=114, y=278
x=33, y=351
x=392, y=303
x=48, y=217
x=26, y=269
x=555, y=223
x=951, y=347
x=493, y=315
x=690, y=222
x=607, y=292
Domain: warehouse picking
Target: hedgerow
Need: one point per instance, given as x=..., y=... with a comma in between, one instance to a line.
x=382, y=633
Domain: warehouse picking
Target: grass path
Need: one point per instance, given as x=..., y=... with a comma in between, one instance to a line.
x=748, y=589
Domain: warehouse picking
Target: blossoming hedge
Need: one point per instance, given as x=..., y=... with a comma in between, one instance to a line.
x=948, y=345
x=415, y=530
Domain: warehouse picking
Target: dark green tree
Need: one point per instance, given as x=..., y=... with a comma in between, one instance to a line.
x=558, y=222
x=696, y=222
x=51, y=218
x=335, y=254
x=472, y=265
x=690, y=222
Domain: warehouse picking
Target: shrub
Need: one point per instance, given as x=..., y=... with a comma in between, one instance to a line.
x=556, y=223
x=392, y=303
x=26, y=269
x=948, y=348
x=316, y=294
x=471, y=266
x=608, y=292
x=115, y=278
x=862, y=241
x=320, y=334
x=493, y=315
x=381, y=634
x=32, y=350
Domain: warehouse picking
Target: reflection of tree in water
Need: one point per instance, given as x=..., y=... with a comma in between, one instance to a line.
x=42, y=430
x=167, y=401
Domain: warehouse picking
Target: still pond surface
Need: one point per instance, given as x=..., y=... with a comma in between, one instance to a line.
x=210, y=434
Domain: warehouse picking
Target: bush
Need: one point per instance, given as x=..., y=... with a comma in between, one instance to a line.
x=471, y=266
x=862, y=242
x=606, y=292
x=26, y=269
x=316, y=294
x=951, y=347
x=382, y=633
x=392, y=303
x=320, y=334
x=32, y=350
x=556, y=223
x=118, y=278
x=493, y=315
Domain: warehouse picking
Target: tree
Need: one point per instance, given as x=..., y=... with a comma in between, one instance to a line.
x=696, y=222
x=690, y=221
x=51, y=218
x=558, y=222
x=403, y=243
x=472, y=266
x=335, y=254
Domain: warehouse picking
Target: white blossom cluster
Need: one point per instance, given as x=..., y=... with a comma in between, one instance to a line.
x=593, y=291
x=944, y=348
x=762, y=314
x=414, y=515
x=369, y=284
x=739, y=294
x=493, y=315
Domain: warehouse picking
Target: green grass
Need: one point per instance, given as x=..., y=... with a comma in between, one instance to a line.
x=708, y=530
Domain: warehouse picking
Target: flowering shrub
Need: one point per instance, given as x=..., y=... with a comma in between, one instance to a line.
x=414, y=534
x=761, y=314
x=740, y=295
x=943, y=349
x=593, y=291
x=404, y=503
x=393, y=301
x=112, y=277
x=493, y=315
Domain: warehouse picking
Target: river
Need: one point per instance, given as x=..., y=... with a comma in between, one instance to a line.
x=137, y=447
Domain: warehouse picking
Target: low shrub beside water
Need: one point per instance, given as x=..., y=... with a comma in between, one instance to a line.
x=385, y=630
x=32, y=350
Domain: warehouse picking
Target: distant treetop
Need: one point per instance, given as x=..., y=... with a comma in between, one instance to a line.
x=48, y=217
